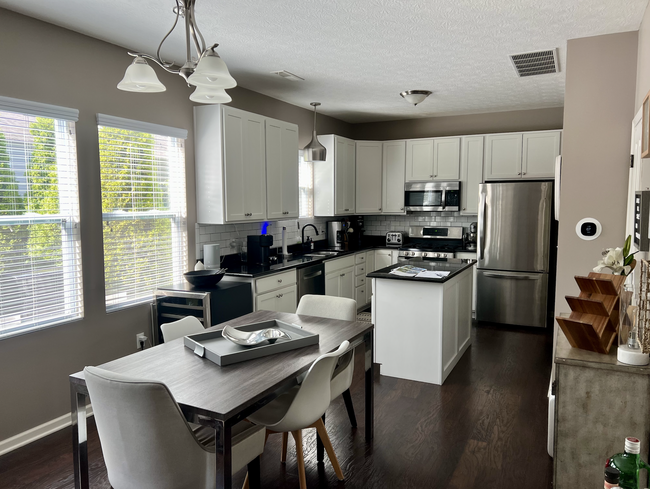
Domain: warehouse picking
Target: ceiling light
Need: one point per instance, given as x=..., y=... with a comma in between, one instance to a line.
x=415, y=96
x=314, y=151
x=210, y=73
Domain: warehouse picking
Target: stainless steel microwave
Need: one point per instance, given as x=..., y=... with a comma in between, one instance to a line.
x=432, y=196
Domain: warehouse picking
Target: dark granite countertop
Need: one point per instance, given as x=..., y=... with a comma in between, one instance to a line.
x=452, y=265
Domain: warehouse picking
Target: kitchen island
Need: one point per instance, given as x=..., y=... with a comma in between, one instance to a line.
x=422, y=324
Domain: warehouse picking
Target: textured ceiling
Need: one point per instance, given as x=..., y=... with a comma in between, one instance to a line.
x=357, y=55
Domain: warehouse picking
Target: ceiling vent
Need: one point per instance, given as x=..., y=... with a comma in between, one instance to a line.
x=537, y=63
x=288, y=75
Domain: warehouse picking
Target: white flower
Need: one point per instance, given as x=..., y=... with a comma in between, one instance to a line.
x=614, y=260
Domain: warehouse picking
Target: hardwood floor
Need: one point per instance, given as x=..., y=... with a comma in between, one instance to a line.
x=484, y=428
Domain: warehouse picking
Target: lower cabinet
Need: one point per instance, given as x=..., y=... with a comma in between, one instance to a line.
x=385, y=258
x=360, y=296
x=281, y=300
x=470, y=256
x=340, y=283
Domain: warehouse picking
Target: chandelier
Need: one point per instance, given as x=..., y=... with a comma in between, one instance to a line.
x=206, y=71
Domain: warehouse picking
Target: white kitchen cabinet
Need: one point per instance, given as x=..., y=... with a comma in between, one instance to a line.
x=385, y=258
x=446, y=158
x=368, y=162
x=503, y=156
x=281, y=169
x=340, y=283
x=370, y=262
x=231, y=157
x=419, y=159
x=360, y=296
x=518, y=156
x=334, y=179
x=471, y=173
x=281, y=300
x=539, y=152
x=393, y=175
x=466, y=255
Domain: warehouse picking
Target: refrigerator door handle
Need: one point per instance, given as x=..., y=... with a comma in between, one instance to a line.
x=481, y=227
x=517, y=276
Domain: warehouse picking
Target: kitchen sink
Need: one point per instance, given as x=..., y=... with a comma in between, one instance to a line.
x=323, y=253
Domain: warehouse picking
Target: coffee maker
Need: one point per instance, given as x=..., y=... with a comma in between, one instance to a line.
x=470, y=238
x=259, y=248
x=356, y=236
x=335, y=234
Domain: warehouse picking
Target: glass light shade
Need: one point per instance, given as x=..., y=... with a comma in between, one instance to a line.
x=205, y=95
x=212, y=72
x=140, y=77
x=415, y=96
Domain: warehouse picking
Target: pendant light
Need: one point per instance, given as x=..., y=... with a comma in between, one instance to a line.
x=314, y=151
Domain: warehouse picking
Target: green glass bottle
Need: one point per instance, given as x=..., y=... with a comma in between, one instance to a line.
x=629, y=463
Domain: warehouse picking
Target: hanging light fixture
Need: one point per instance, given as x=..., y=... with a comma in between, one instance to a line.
x=415, y=96
x=314, y=151
x=209, y=74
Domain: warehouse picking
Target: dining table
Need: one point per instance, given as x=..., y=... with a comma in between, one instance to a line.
x=220, y=397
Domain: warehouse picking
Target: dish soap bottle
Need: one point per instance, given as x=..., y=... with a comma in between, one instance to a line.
x=628, y=463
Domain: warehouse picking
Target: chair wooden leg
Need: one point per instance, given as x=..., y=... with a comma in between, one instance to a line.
x=322, y=432
x=348, y=405
x=253, y=474
x=297, y=436
x=285, y=441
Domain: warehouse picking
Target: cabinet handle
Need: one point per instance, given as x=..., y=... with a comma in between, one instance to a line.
x=430, y=176
x=463, y=208
x=342, y=275
x=435, y=175
x=524, y=173
x=279, y=296
x=279, y=280
x=380, y=208
x=519, y=173
x=401, y=208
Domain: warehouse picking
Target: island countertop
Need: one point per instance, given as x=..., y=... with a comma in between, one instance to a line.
x=452, y=265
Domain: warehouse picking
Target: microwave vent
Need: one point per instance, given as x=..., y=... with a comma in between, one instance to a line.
x=536, y=63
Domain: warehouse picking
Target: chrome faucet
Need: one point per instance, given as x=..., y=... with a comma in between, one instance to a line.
x=306, y=244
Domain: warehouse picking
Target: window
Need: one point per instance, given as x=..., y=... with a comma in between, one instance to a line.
x=40, y=256
x=306, y=184
x=143, y=207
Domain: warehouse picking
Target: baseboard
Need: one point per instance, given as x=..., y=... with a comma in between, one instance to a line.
x=38, y=432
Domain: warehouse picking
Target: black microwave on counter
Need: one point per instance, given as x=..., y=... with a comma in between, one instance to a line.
x=432, y=196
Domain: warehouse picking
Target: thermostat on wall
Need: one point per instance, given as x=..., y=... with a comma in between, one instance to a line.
x=588, y=228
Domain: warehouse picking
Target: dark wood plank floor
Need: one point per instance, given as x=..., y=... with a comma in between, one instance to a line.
x=484, y=428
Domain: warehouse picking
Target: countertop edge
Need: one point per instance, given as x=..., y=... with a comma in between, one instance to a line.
x=390, y=276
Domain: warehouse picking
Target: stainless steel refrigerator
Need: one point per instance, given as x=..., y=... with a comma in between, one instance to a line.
x=514, y=239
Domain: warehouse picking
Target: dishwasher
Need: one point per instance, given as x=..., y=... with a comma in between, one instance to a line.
x=311, y=280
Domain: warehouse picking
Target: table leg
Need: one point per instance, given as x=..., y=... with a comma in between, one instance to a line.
x=79, y=437
x=370, y=386
x=224, y=455
x=320, y=448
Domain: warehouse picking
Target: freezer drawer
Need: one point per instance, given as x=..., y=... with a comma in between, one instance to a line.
x=511, y=298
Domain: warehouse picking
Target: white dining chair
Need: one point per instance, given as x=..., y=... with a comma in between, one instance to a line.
x=147, y=443
x=302, y=407
x=344, y=309
x=180, y=328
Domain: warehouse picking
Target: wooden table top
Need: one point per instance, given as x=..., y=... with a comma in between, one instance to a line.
x=222, y=392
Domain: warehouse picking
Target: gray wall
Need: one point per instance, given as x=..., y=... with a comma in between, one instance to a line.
x=598, y=112
x=643, y=61
x=45, y=63
x=520, y=120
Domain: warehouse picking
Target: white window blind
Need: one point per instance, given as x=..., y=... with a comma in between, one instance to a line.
x=306, y=185
x=40, y=256
x=144, y=212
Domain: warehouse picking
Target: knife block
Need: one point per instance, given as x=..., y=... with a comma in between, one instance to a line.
x=593, y=322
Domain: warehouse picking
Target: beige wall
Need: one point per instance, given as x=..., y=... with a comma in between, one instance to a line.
x=520, y=120
x=72, y=70
x=643, y=61
x=598, y=112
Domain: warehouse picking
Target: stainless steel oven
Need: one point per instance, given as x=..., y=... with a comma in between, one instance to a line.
x=432, y=196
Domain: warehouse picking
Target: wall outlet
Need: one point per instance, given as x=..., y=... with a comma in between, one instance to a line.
x=141, y=340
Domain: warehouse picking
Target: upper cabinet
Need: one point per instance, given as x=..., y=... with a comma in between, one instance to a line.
x=393, y=174
x=369, y=177
x=433, y=159
x=232, y=147
x=521, y=155
x=334, y=179
x=471, y=173
x=281, y=169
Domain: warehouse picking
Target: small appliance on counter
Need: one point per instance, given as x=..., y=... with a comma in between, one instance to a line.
x=470, y=239
x=211, y=256
x=355, y=237
x=259, y=248
x=394, y=239
x=335, y=235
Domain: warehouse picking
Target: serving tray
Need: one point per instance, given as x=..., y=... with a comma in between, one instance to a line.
x=214, y=347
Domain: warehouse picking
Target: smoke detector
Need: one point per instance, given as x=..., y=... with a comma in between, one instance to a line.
x=536, y=63
x=288, y=75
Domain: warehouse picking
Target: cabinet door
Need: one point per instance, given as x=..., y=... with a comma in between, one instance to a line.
x=394, y=173
x=233, y=154
x=471, y=173
x=368, y=177
x=255, y=168
x=267, y=302
x=288, y=300
x=370, y=262
x=360, y=296
x=539, y=153
x=344, y=175
x=369, y=291
x=332, y=284
x=419, y=160
x=281, y=169
x=503, y=156
x=346, y=283
x=382, y=259
x=446, y=159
